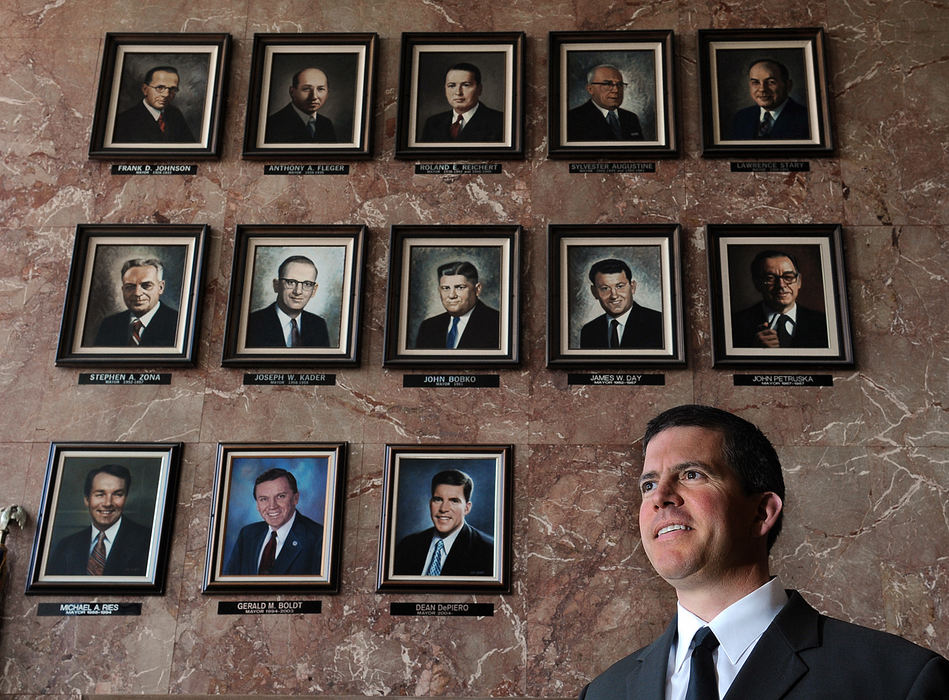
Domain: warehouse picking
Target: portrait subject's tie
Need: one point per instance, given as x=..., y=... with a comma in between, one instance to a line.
x=452, y=334
x=295, y=339
x=311, y=127
x=96, y=564
x=435, y=568
x=767, y=122
x=270, y=551
x=456, y=128
x=135, y=337
x=614, y=124
x=614, y=333
x=784, y=328
x=161, y=122
x=702, y=682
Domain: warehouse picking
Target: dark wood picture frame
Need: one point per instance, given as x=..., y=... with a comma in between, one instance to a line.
x=730, y=115
x=141, y=501
x=274, y=130
x=821, y=331
x=418, y=321
x=424, y=117
x=578, y=331
x=648, y=123
x=192, y=115
x=95, y=329
x=331, y=315
x=482, y=562
x=234, y=548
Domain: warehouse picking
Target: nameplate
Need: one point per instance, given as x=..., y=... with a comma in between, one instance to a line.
x=79, y=609
x=147, y=169
x=612, y=168
x=306, y=169
x=282, y=379
x=616, y=379
x=457, y=168
x=125, y=378
x=451, y=381
x=442, y=609
x=269, y=607
x=771, y=166
x=784, y=380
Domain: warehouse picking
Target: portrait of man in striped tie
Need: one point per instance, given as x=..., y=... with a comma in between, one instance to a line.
x=146, y=322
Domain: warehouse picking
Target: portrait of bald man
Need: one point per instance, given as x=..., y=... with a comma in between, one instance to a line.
x=299, y=120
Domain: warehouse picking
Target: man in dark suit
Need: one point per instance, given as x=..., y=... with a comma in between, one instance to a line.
x=625, y=324
x=712, y=500
x=452, y=547
x=468, y=323
x=284, y=324
x=468, y=119
x=155, y=119
x=774, y=115
x=147, y=322
x=286, y=542
x=600, y=118
x=113, y=545
x=298, y=121
x=778, y=321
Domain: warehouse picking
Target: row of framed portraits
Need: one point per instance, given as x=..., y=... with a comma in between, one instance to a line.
x=454, y=296
x=311, y=96
x=461, y=494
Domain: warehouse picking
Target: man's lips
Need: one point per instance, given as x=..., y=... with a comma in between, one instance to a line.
x=670, y=527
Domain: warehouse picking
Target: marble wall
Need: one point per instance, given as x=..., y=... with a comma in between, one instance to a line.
x=867, y=527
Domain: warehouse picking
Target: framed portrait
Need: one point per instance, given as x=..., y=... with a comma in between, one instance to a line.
x=615, y=295
x=779, y=295
x=446, y=518
x=105, y=518
x=133, y=295
x=295, y=293
x=311, y=96
x=453, y=296
x=612, y=94
x=161, y=96
x=461, y=96
x=276, y=517
x=764, y=92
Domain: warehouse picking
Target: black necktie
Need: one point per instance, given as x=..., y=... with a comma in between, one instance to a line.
x=784, y=335
x=270, y=551
x=295, y=340
x=614, y=333
x=702, y=682
x=765, y=125
x=614, y=124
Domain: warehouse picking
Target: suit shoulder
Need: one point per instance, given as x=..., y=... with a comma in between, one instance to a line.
x=611, y=683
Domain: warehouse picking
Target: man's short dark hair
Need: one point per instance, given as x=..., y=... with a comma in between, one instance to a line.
x=116, y=470
x=459, y=267
x=610, y=266
x=296, y=259
x=745, y=449
x=782, y=69
x=143, y=262
x=274, y=474
x=163, y=69
x=454, y=477
x=470, y=67
x=759, y=259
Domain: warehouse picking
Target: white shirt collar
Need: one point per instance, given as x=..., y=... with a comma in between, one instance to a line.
x=772, y=315
x=110, y=535
x=303, y=115
x=151, y=110
x=147, y=318
x=775, y=113
x=606, y=112
x=285, y=323
x=465, y=116
x=462, y=322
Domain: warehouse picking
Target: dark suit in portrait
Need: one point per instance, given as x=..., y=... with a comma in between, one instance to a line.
x=482, y=331
x=802, y=655
x=790, y=124
x=810, y=329
x=301, y=554
x=116, y=330
x=472, y=554
x=587, y=123
x=643, y=330
x=285, y=126
x=486, y=125
x=137, y=125
x=264, y=330
x=128, y=555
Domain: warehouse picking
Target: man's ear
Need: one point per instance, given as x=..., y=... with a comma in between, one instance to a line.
x=770, y=506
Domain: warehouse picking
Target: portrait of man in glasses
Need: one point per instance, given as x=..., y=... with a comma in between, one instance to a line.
x=778, y=320
x=154, y=119
x=285, y=323
x=601, y=118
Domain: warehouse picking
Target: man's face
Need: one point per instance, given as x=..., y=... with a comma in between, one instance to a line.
x=276, y=501
x=697, y=526
x=106, y=500
x=449, y=508
x=161, y=90
x=458, y=294
x=607, y=96
x=292, y=292
x=779, y=294
x=461, y=90
x=141, y=289
x=311, y=90
x=614, y=291
x=766, y=86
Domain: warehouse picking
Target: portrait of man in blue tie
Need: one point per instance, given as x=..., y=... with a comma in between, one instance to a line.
x=467, y=323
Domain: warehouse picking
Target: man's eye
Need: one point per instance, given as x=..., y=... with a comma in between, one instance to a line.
x=646, y=486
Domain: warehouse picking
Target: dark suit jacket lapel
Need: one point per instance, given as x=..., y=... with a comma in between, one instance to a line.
x=291, y=550
x=648, y=681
